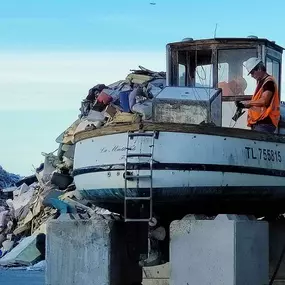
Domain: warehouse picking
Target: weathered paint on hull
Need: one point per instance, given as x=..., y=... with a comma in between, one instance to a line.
x=186, y=165
x=190, y=194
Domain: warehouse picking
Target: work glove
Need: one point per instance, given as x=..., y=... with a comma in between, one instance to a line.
x=239, y=105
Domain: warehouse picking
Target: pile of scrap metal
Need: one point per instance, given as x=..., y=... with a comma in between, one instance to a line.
x=23, y=216
x=32, y=202
x=124, y=101
x=50, y=192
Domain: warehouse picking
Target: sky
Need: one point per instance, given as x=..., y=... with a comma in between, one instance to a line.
x=52, y=52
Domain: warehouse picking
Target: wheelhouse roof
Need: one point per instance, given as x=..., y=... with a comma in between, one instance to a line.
x=227, y=41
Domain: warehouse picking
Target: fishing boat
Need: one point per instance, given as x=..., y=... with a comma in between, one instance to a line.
x=196, y=153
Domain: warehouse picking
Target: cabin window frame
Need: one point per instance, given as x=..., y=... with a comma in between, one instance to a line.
x=257, y=53
x=173, y=62
x=267, y=56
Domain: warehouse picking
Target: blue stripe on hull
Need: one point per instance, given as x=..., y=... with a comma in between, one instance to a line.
x=172, y=195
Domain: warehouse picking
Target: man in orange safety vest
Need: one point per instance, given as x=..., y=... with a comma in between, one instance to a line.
x=264, y=106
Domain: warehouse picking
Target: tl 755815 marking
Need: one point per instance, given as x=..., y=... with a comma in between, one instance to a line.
x=263, y=154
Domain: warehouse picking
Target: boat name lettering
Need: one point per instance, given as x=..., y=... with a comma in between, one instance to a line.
x=116, y=148
x=263, y=154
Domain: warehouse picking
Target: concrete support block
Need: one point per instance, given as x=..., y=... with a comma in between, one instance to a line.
x=276, y=246
x=219, y=252
x=91, y=252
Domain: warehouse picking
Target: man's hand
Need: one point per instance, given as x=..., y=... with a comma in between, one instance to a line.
x=239, y=105
x=247, y=105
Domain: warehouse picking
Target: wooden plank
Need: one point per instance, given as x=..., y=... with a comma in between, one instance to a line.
x=108, y=130
x=236, y=98
x=181, y=128
x=156, y=272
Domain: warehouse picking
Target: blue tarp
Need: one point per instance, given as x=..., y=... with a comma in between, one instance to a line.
x=7, y=179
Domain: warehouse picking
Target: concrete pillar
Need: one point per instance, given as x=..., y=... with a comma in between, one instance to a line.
x=276, y=246
x=224, y=251
x=91, y=252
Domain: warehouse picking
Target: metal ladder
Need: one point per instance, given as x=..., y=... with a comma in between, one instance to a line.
x=149, y=176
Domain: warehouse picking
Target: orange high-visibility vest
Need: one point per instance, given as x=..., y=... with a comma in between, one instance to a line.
x=256, y=114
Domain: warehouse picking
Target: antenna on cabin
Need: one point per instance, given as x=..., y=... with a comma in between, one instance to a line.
x=215, y=32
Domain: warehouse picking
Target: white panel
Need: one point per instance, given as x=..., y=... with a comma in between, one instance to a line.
x=187, y=93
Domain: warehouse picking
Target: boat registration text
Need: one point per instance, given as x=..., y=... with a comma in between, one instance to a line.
x=263, y=154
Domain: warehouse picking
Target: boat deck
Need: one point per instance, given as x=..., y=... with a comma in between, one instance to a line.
x=180, y=128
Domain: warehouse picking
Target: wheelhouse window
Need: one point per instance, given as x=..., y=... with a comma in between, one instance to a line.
x=204, y=75
x=195, y=68
x=181, y=75
x=272, y=68
x=233, y=77
x=182, y=61
x=203, y=67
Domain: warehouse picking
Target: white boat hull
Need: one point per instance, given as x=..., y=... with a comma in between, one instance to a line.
x=187, y=166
